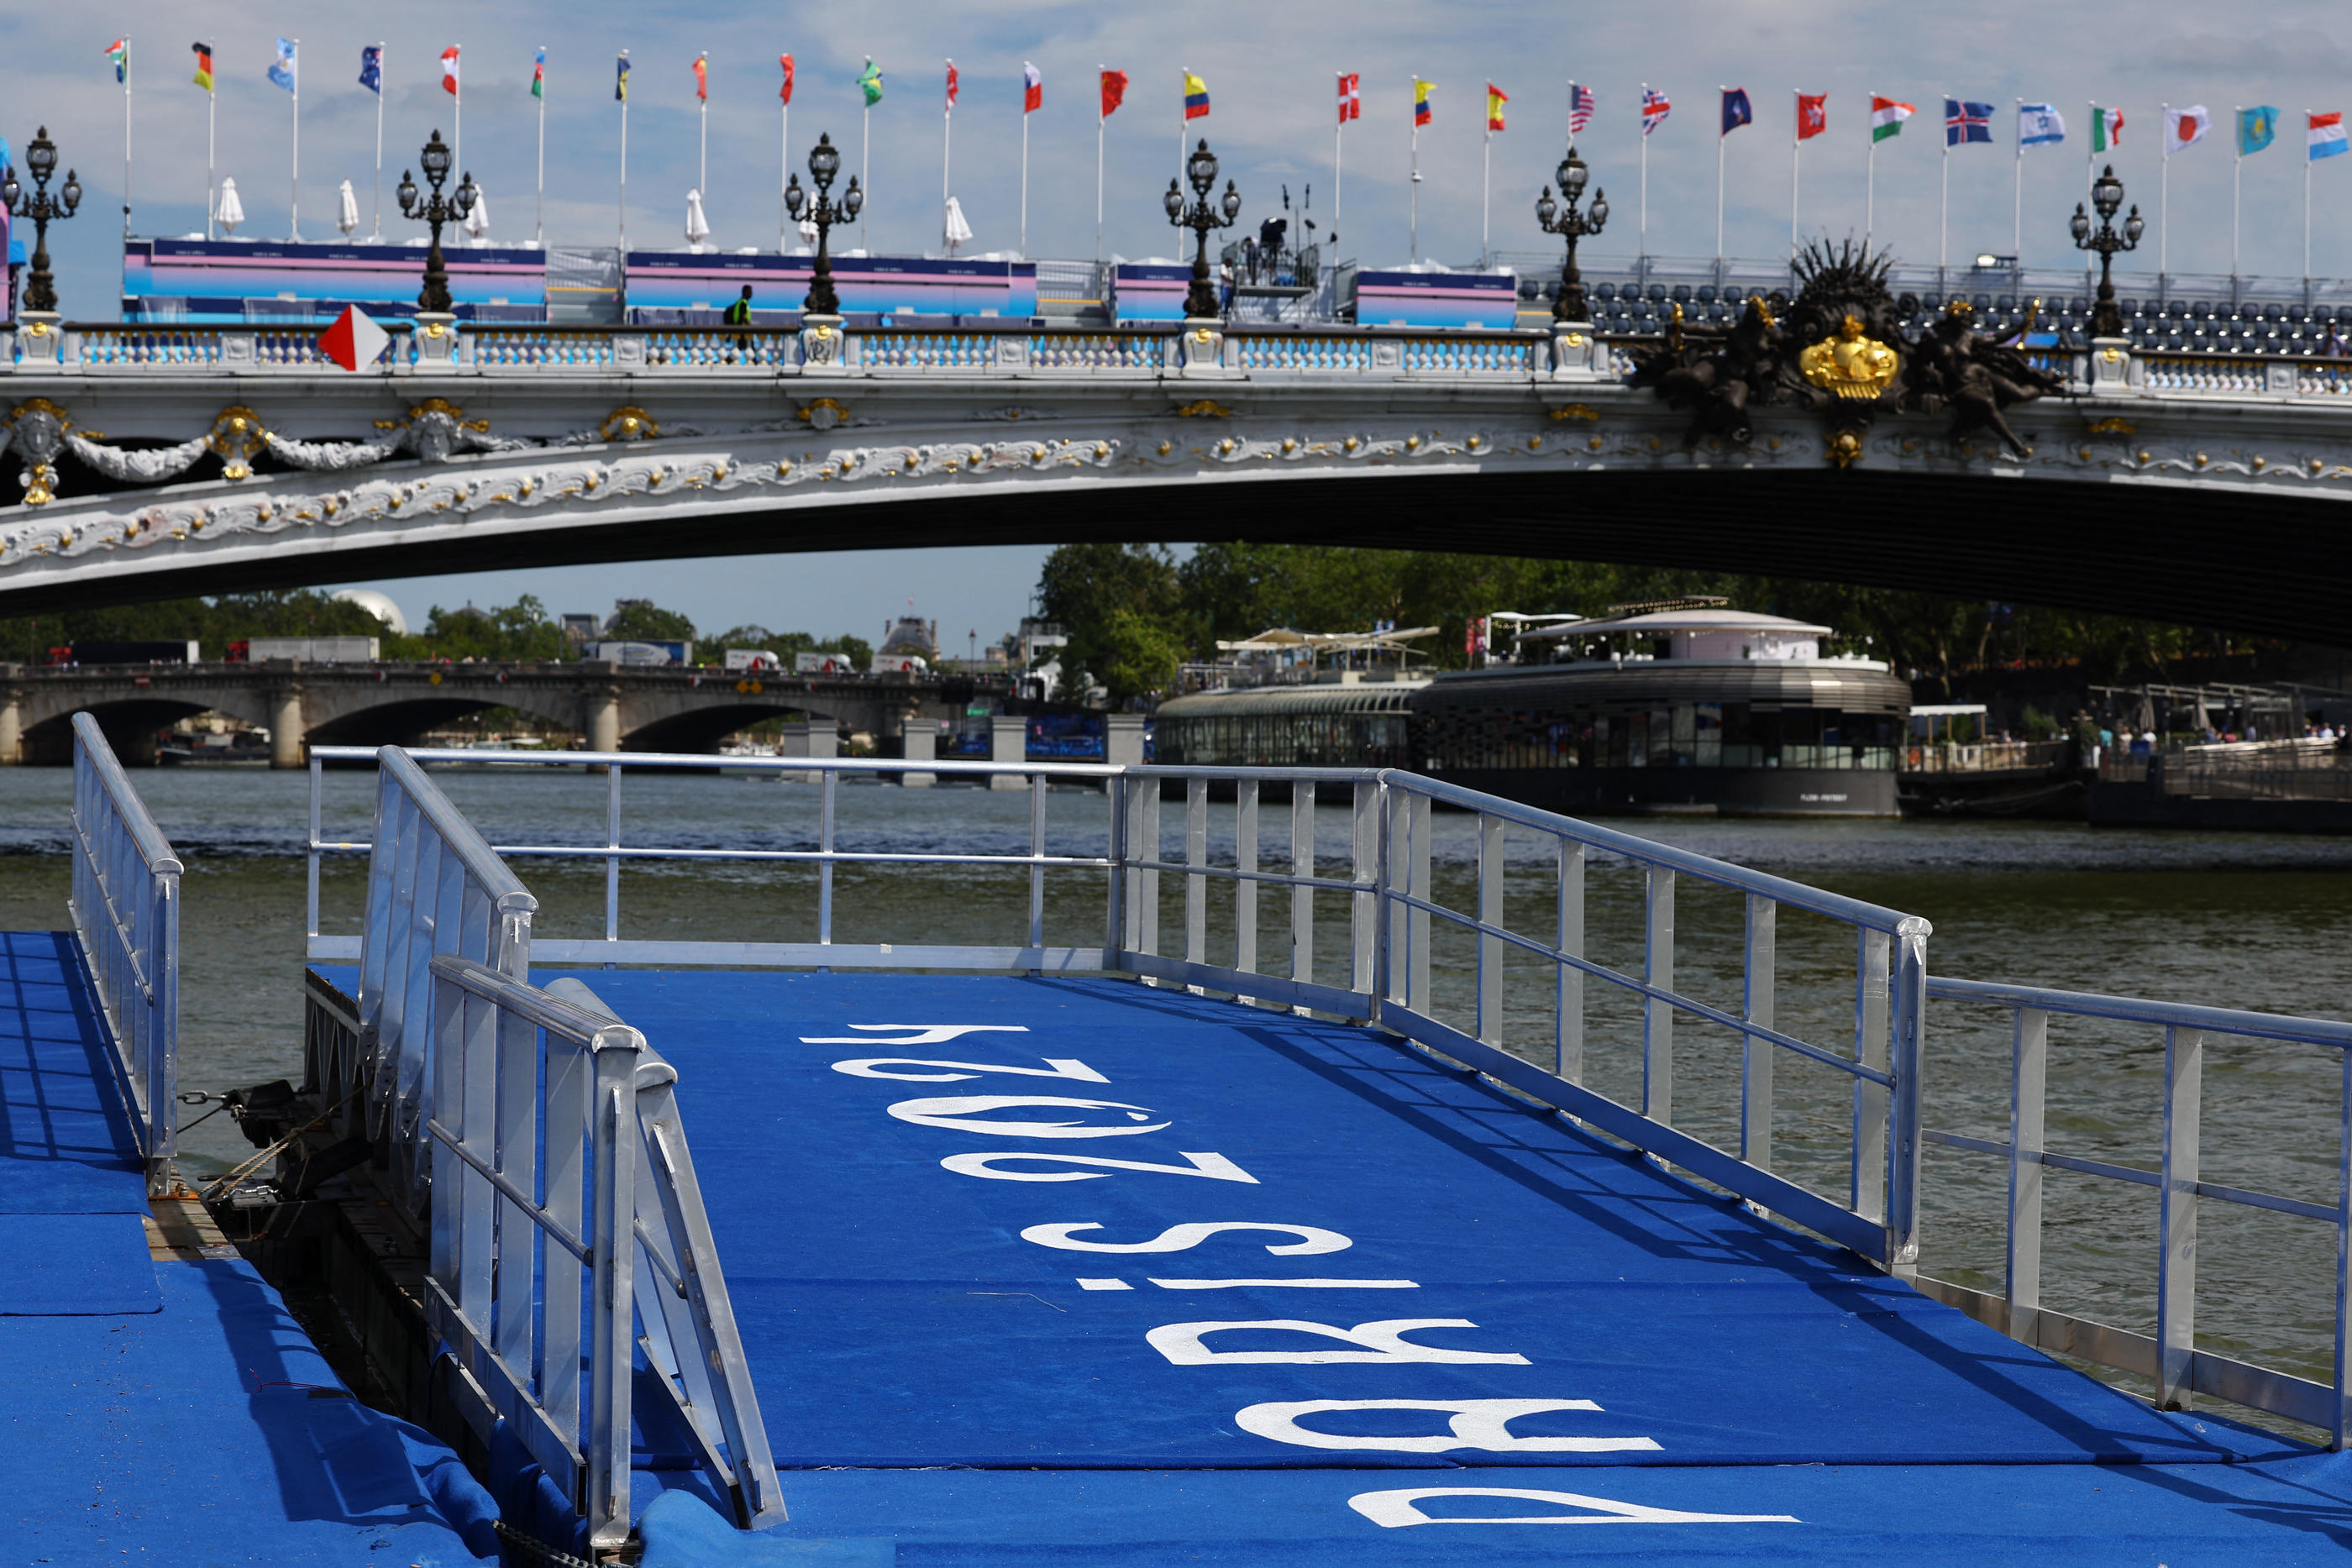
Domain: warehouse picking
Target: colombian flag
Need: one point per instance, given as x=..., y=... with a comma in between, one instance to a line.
x=1196, y=97
x=1420, y=101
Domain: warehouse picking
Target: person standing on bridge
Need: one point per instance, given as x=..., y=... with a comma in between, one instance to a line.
x=739, y=314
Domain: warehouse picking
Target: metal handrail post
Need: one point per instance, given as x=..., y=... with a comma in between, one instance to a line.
x=1302, y=899
x=1246, y=820
x=1489, y=959
x=1115, y=792
x=1906, y=1058
x=2027, y=1078
x=1417, y=872
x=613, y=1289
x=1567, y=1016
x=1196, y=887
x=1758, y=958
x=2176, y=1268
x=1658, y=1016
x=2341, y=1405
x=1873, y=1105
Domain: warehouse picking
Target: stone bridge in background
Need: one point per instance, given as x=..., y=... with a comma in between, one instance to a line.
x=171, y=461
x=615, y=707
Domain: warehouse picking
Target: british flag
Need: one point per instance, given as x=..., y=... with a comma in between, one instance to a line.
x=1654, y=109
x=1579, y=108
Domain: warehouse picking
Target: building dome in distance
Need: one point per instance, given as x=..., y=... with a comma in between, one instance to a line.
x=378, y=605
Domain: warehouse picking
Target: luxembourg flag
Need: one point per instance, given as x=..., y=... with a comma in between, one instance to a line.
x=2325, y=137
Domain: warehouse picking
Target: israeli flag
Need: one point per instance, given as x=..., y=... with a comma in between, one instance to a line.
x=2039, y=125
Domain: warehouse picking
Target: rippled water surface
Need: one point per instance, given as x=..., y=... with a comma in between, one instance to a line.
x=2251, y=921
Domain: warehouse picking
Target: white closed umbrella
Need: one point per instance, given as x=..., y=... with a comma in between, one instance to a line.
x=347, y=215
x=958, y=231
x=808, y=231
x=698, y=227
x=478, y=217
x=232, y=211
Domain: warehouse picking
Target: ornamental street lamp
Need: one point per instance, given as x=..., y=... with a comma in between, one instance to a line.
x=1200, y=217
x=824, y=166
x=2107, y=195
x=1571, y=175
x=436, y=209
x=41, y=161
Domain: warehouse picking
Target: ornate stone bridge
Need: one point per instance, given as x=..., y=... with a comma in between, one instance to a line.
x=615, y=707
x=2181, y=487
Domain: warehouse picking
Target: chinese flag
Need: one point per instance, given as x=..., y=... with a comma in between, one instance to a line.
x=1114, y=91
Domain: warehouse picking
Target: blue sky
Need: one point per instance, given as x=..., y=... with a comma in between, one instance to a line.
x=1269, y=69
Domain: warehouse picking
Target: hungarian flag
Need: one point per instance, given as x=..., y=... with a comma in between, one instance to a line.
x=1032, y=89
x=449, y=70
x=1114, y=91
x=1496, y=98
x=1352, y=97
x=2107, y=128
x=354, y=340
x=1887, y=117
x=1813, y=114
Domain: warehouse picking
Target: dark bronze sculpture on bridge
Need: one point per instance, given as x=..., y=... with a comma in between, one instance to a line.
x=1838, y=348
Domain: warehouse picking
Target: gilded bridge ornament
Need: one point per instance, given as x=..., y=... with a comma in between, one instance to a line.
x=1850, y=365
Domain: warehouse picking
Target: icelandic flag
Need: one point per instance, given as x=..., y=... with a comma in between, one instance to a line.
x=2039, y=125
x=354, y=341
x=1965, y=121
x=1736, y=111
x=2326, y=137
x=372, y=68
x=282, y=73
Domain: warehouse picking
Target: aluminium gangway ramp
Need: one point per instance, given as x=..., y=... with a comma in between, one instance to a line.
x=1041, y=1271
x=168, y=1410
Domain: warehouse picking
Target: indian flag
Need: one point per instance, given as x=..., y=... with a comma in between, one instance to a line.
x=1887, y=117
x=2107, y=128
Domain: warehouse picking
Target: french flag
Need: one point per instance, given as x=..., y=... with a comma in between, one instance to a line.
x=2325, y=137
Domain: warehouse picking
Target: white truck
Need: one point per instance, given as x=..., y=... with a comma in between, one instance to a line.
x=314, y=649
x=823, y=664
x=752, y=659
x=641, y=654
x=899, y=664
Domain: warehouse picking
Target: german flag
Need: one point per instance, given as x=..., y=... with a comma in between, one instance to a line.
x=203, y=64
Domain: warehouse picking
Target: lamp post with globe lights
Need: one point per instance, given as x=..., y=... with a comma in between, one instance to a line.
x=1201, y=216
x=436, y=209
x=41, y=163
x=824, y=166
x=2106, y=197
x=1555, y=219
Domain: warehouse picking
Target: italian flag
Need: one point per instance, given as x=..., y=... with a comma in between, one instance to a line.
x=2107, y=128
x=1887, y=117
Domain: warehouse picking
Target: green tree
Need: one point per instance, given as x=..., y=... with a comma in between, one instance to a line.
x=1121, y=607
x=1134, y=655
x=643, y=621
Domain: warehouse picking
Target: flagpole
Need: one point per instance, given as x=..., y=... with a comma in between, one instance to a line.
x=1870, y=180
x=1796, y=150
x=294, y=186
x=702, y=93
x=2306, y=204
x=2237, y=173
x=1412, y=188
x=866, y=172
x=2098, y=129
x=783, y=176
x=1339, y=125
x=1100, y=118
x=1720, y=137
x=624, y=166
x=1486, y=189
x=1944, y=206
x=1642, y=234
x=458, y=149
x=126, y=143
x=212, y=105
x=1024, y=176
x=539, y=220
x=379, y=139
x=2017, y=213
x=2164, y=202
x=947, y=152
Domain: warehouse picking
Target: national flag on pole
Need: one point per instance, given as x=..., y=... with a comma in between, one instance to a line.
x=1032, y=89
x=2257, y=128
x=1351, y=96
x=204, y=53
x=1813, y=114
x=2326, y=137
x=702, y=78
x=1887, y=117
x=1496, y=98
x=1965, y=121
x=538, y=76
x=786, y=93
x=282, y=73
x=1420, y=101
x=1113, y=92
x=2039, y=125
x=119, y=52
x=1736, y=111
x=952, y=84
x=2185, y=127
x=1196, y=97
x=354, y=341
x=1580, y=109
x=1655, y=110
x=449, y=70
x=2107, y=128
x=371, y=68
x=869, y=81
x=621, y=78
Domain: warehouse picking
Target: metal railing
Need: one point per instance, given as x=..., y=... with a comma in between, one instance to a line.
x=2169, y=1356
x=564, y=1199
x=1981, y=756
x=125, y=908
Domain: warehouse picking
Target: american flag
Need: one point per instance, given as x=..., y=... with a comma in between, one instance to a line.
x=1579, y=108
x=1654, y=108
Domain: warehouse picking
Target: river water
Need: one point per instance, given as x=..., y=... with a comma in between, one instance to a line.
x=2239, y=920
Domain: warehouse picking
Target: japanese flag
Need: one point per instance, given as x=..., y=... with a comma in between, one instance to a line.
x=354, y=340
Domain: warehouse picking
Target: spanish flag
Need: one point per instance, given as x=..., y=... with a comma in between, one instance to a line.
x=204, y=66
x=1196, y=97
x=1420, y=101
x=1496, y=98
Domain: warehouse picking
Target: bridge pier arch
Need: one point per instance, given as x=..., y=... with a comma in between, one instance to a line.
x=12, y=726
x=601, y=709
x=287, y=730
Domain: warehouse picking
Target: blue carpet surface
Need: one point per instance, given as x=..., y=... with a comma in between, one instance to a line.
x=946, y=1264
x=65, y=1264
